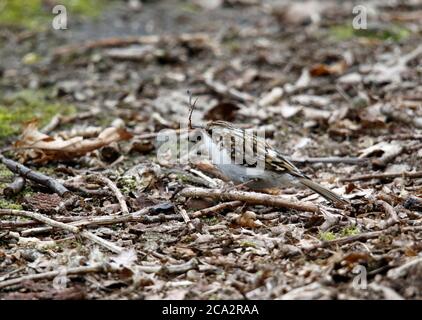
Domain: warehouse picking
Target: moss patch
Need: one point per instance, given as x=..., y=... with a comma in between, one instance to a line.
x=27, y=105
x=345, y=232
x=391, y=32
x=327, y=236
x=5, y=204
x=35, y=14
x=210, y=220
x=128, y=185
x=248, y=244
x=5, y=174
x=350, y=231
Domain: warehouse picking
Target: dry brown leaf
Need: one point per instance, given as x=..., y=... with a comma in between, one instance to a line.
x=321, y=69
x=40, y=147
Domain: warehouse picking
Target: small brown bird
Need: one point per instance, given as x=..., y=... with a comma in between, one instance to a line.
x=247, y=159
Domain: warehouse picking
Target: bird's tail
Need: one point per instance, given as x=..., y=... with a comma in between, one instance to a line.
x=327, y=194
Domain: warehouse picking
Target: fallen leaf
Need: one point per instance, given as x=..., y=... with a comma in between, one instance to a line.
x=321, y=69
x=42, y=148
x=382, y=149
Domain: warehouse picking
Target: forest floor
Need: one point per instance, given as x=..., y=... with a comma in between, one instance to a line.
x=100, y=216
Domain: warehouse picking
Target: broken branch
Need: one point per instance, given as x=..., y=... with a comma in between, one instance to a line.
x=118, y=194
x=37, y=177
x=73, y=229
x=404, y=174
x=250, y=198
x=15, y=187
x=52, y=274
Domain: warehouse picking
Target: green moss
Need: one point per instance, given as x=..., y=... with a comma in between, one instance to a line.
x=327, y=236
x=5, y=204
x=350, y=231
x=27, y=105
x=27, y=191
x=31, y=58
x=210, y=220
x=391, y=32
x=90, y=8
x=248, y=244
x=128, y=185
x=5, y=174
x=345, y=232
x=34, y=14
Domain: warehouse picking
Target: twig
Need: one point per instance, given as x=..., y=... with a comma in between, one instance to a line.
x=170, y=269
x=17, y=224
x=99, y=267
x=348, y=160
x=389, y=294
x=153, y=135
x=402, y=136
x=404, y=174
x=138, y=216
x=344, y=240
x=402, y=270
x=191, y=108
x=37, y=177
x=216, y=209
x=399, y=116
x=223, y=90
x=393, y=218
x=81, y=48
x=60, y=119
x=15, y=187
x=26, y=223
x=249, y=197
x=119, y=196
x=211, y=183
x=53, y=124
x=104, y=43
x=86, y=234
x=186, y=218
x=360, y=237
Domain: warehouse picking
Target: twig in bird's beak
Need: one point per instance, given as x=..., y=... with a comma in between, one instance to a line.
x=191, y=107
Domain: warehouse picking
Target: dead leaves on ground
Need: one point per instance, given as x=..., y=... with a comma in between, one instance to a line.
x=42, y=148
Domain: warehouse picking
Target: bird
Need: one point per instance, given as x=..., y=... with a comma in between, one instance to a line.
x=246, y=158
